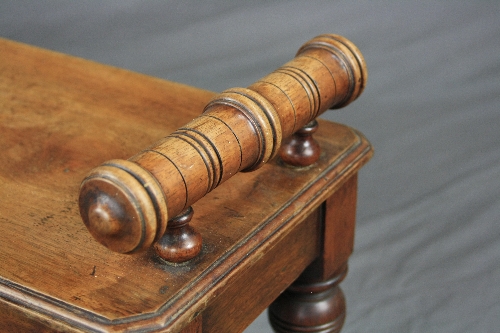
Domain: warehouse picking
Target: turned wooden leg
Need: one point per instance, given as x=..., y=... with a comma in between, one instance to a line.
x=180, y=242
x=310, y=305
x=315, y=302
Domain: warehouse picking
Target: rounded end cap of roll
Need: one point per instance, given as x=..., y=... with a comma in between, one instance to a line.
x=350, y=55
x=122, y=206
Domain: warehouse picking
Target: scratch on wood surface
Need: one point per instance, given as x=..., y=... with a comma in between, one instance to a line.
x=234, y=213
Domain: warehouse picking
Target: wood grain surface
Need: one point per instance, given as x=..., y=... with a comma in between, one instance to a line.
x=59, y=117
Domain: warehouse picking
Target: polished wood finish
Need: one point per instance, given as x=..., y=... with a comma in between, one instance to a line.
x=59, y=117
x=181, y=242
x=315, y=302
x=310, y=305
x=125, y=204
x=301, y=150
x=340, y=219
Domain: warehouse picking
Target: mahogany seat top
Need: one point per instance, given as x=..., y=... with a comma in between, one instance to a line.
x=60, y=116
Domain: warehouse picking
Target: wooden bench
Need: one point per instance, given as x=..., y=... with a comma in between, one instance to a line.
x=289, y=217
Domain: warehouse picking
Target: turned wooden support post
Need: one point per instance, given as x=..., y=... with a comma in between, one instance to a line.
x=301, y=150
x=180, y=242
x=126, y=204
x=310, y=304
x=314, y=302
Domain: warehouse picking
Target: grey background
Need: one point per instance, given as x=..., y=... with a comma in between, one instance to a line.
x=427, y=254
